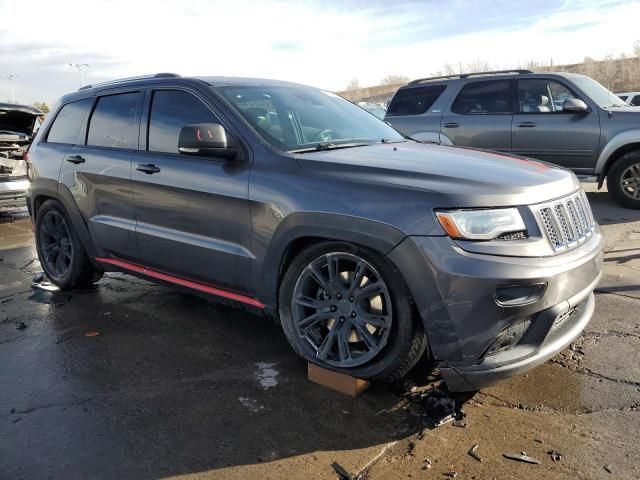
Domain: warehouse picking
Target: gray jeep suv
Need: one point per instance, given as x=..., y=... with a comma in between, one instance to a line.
x=369, y=249
x=567, y=119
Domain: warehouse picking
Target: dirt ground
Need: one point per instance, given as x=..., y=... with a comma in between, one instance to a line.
x=135, y=380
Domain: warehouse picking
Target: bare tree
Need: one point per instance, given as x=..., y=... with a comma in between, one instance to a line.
x=42, y=106
x=353, y=89
x=394, y=80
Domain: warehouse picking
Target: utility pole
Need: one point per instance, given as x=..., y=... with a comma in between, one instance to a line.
x=80, y=67
x=11, y=77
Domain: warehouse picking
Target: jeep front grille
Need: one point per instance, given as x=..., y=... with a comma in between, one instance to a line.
x=567, y=222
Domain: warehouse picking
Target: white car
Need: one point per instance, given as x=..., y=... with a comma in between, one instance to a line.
x=632, y=98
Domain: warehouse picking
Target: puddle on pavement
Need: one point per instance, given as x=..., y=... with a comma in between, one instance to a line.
x=49, y=297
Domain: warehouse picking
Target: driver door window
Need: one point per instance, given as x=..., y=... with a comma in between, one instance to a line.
x=542, y=96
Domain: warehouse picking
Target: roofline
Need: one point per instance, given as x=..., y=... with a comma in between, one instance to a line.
x=130, y=79
x=466, y=75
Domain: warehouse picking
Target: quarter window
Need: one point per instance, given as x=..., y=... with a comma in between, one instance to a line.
x=113, y=123
x=483, y=98
x=170, y=111
x=414, y=100
x=66, y=126
x=635, y=101
x=542, y=96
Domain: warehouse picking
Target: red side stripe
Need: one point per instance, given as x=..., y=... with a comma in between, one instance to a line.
x=181, y=281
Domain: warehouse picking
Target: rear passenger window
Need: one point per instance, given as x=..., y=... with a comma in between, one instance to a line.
x=483, y=98
x=113, y=123
x=414, y=100
x=66, y=126
x=170, y=111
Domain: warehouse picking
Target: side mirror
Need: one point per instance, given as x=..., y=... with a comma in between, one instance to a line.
x=574, y=105
x=208, y=139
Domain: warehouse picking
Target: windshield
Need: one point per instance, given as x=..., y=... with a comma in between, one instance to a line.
x=294, y=118
x=599, y=94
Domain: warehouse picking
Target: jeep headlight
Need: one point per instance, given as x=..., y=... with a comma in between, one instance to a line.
x=481, y=224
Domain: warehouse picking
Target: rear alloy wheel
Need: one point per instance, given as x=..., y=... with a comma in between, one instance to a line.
x=55, y=244
x=623, y=180
x=60, y=252
x=347, y=309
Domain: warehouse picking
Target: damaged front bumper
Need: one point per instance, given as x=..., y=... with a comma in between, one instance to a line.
x=458, y=295
x=571, y=317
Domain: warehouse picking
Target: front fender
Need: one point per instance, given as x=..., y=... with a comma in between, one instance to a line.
x=620, y=140
x=378, y=236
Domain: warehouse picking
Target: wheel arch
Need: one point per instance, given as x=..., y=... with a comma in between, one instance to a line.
x=300, y=230
x=618, y=146
x=63, y=196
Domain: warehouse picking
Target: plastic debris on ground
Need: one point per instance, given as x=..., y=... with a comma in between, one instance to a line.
x=555, y=455
x=521, y=457
x=473, y=452
x=21, y=325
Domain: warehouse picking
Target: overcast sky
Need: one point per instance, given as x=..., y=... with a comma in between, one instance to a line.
x=318, y=42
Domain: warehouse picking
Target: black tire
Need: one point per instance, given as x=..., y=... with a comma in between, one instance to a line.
x=406, y=340
x=76, y=271
x=620, y=171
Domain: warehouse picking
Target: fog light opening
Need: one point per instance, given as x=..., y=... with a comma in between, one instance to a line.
x=518, y=295
x=509, y=337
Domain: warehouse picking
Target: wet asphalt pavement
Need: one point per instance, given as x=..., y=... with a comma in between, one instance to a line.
x=135, y=380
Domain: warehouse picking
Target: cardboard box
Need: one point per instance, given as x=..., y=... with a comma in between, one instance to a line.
x=337, y=381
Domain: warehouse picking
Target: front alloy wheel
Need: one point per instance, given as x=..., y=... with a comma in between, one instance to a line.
x=623, y=180
x=341, y=306
x=630, y=181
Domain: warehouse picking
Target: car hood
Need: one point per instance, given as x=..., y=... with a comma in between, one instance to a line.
x=469, y=177
x=17, y=119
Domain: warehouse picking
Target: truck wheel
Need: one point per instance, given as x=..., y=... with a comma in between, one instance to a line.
x=623, y=180
x=347, y=309
x=60, y=252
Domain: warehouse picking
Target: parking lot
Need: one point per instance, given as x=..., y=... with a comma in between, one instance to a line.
x=136, y=380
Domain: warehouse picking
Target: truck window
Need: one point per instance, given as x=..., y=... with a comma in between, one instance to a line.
x=483, y=98
x=414, y=100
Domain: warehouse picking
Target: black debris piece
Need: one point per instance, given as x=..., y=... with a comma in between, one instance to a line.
x=21, y=325
x=37, y=278
x=426, y=464
x=608, y=468
x=555, y=455
x=439, y=407
x=451, y=474
x=523, y=457
x=473, y=451
x=340, y=471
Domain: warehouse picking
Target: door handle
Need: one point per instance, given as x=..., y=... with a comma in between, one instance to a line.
x=147, y=168
x=451, y=125
x=75, y=159
x=527, y=124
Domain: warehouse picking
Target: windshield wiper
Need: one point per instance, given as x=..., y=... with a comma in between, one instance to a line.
x=322, y=146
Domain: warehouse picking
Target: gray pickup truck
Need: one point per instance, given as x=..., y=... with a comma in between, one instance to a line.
x=567, y=119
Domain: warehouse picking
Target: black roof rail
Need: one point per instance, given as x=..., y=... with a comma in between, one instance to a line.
x=466, y=75
x=129, y=79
